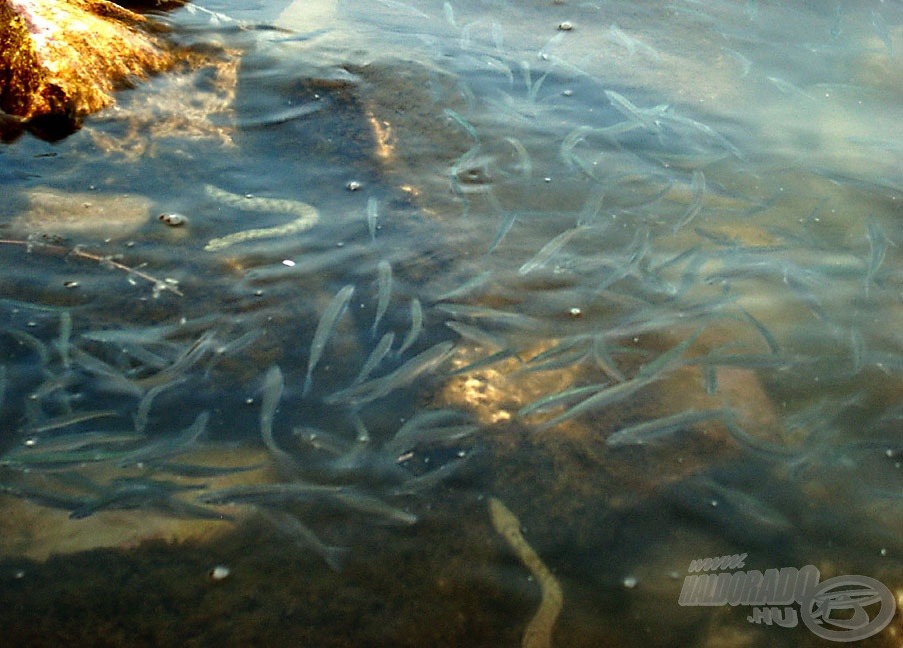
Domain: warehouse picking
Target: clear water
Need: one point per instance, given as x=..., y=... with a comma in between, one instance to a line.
x=726, y=181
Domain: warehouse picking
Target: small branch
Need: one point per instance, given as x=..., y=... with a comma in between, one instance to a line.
x=159, y=285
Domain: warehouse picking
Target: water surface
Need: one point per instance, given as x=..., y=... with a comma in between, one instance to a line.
x=695, y=207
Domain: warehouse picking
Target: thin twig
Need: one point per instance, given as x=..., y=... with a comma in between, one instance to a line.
x=102, y=260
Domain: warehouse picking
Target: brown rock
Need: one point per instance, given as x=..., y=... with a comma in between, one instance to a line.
x=62, y=59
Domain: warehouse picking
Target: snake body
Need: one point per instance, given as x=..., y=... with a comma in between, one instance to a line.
x=307, y=217
x=539, y=631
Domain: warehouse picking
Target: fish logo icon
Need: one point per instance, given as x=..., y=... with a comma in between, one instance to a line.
x=839, y=609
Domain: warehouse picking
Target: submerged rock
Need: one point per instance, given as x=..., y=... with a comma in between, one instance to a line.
x=92, y=215
x=62, y=59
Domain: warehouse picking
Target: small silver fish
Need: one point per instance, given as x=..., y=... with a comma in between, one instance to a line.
x=290, y=525
x=324, y=331
x=651, y=431
x=384, y=294
x=549, y=250
x=416, y=326
x=376, y=356
x=372, y=216
x=697, y=189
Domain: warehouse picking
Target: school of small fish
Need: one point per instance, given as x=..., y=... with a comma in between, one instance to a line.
x=656, y=269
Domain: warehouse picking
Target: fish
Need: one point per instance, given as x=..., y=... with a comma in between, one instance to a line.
x=375, y=358
x=449, y=14
x=268, y=493
x=33, y=343
x=752, y=360
x=62, y=343
x=525, y=163
x=603, y=398
x=429, y=426
x=325, y=329
x=416, y=326
x=668, y=359
x=486, y=361
x=464, y=124
x=624, y=106
x=767, y=335
x=516, y=320
x=283, y=116
x=550, y=249
x=474, y=334
x=271, y=493
x=553, y=400
x=788, y=88
x=630, y=43
x=166, y=447
x=273, y=385
x=732, y=510
x=384, y=294
x=66, y=420
x=187, y=359
x=304, y=536
x=198, y=470
x=878, y=241
x=466, y=288
x=879, y=25
x=144, y=405
x=111, y=379
x=3, y=385
x=604, y=361
x=63, y=451
x=372, y=216
x=370, y=505
x=143, y=493
x=857, y=344
x=652, y=431
x=43, y=497
x=322, y=440
x=504, y=228
x=697, y=188
x=405, y=374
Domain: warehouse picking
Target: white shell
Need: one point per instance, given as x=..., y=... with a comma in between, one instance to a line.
x=173, y=220
x=220, y=572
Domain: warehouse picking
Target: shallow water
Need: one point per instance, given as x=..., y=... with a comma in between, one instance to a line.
x=694, y=206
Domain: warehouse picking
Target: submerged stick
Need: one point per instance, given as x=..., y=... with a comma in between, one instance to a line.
x=539, y=631
x=159, y=285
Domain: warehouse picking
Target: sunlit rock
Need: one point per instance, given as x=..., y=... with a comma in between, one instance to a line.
x=38, y=532
x=63, y=59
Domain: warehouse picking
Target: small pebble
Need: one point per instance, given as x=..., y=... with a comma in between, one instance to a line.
x=220, y=572
x=70, y=284
x=629, y=582
x=173, y=220
x=353, y=185
x=565, y=26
